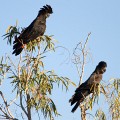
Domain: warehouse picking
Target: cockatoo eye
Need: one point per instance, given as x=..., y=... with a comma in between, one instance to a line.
x=47, y=15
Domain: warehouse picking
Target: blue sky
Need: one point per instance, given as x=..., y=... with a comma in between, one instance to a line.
x=70, y=23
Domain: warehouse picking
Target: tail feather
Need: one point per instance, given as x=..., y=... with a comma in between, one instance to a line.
x=78, y=97
x=76, y=106
x=17, y=51
x=72, y=100
x=17, y=47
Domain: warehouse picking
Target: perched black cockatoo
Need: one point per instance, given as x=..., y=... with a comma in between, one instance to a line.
x=34, y=30
x=88, y=86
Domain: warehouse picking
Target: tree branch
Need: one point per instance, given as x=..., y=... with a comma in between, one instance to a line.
x=80, y=61
x=28, y=107
x=22, y=104
x=6, y=105
x=84, y=58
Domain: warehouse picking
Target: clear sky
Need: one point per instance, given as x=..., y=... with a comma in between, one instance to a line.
x=70, y=23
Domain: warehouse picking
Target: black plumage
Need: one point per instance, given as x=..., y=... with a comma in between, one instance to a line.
x=34, y=30
x=88, y=86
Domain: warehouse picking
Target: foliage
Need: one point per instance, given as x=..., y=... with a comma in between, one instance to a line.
x=11, y=32
x=100, y=115
x=3, y=70
x=114, y=99
x=111, y=91
x=34, y=84
x=112, y=95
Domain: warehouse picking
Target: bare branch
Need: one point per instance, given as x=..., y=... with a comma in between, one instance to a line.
x=11, y=62
x=19, y=68
x=80, y=54
x=84, y=59
x=12, y=101
x=83, y=112
x=22, y=104
x=28, y=107
x=3, y=112
x=6, y=105
x=80, y=57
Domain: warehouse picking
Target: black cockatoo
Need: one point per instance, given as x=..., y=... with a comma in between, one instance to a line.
x=34, y=30
x=88, y=86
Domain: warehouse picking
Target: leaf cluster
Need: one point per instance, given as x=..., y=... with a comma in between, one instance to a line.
x=11, y=32
x=114, y=99
x=4, y=68
x=29, y=76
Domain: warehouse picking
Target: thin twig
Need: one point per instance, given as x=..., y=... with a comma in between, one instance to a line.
x=84, y=59
x=3, y=112
x=80, y=65
x=38, y=114
x=6, y=105
x=19, y=68
x=12, y=63
x=12, y=101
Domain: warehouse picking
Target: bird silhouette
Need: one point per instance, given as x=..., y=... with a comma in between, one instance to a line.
x=87, y=87
x=34, y=30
